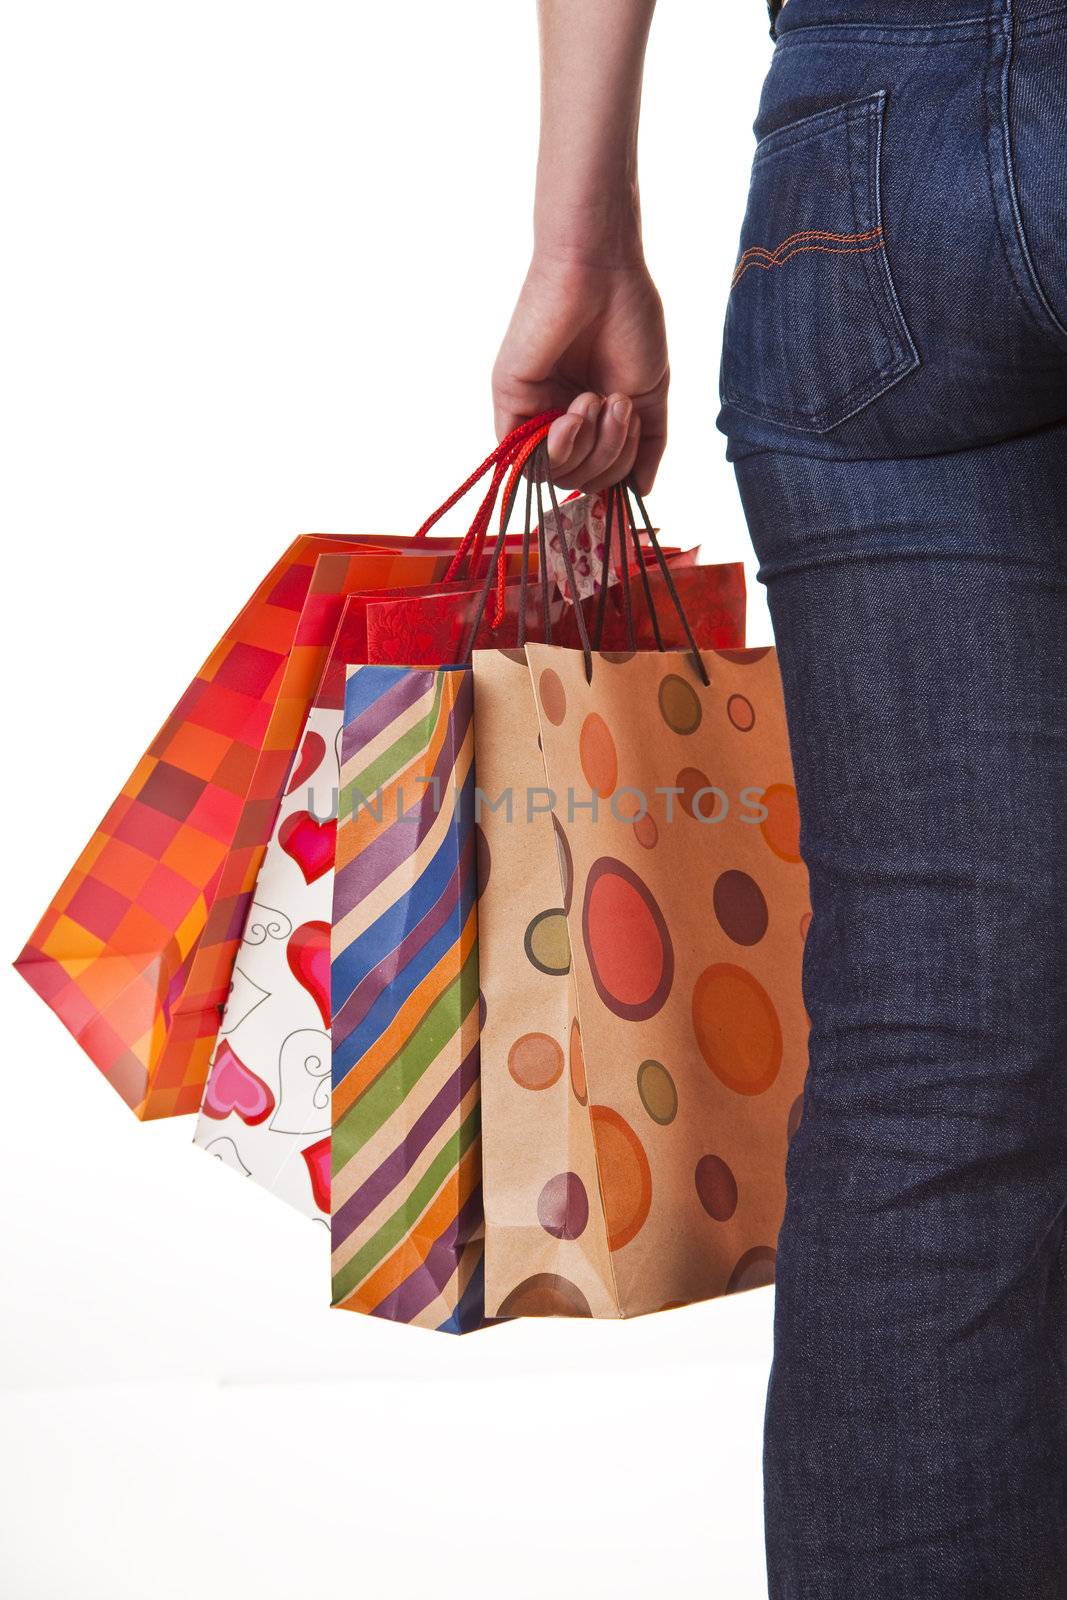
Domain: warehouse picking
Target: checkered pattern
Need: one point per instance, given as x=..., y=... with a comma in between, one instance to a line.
x=336, y=576
x=134, y=953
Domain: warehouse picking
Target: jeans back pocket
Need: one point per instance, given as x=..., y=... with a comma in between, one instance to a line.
x=814, y=330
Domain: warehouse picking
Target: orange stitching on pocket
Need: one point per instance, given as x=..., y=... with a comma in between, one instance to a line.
x=811, y=233
x=836, y=244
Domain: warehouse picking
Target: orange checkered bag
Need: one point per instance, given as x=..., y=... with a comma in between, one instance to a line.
x=135, y=952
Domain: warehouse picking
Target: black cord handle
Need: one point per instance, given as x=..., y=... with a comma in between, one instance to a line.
x=568, y=562
x=618, y=507
x=698, y=662
x=605, y=569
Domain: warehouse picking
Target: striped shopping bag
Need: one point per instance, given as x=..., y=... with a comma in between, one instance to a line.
x=406, y=1195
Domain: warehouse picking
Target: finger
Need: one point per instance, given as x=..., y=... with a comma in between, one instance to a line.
x=571, y=437
x=653, y=441
x=515, y=403
x=505, y=421
x=624, y=462
x=612, y=427
x=508, y=415
x=646, y=463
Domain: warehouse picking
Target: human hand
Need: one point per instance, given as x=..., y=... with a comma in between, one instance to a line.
x=591, y=338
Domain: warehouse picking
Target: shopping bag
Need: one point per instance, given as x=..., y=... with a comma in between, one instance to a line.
x=407, y=1222
x=679, y=879
x=266, y=1105
x=530, y=1040
x=135, y=952
x=425, y=629
x=113, y=953
x=338, y=577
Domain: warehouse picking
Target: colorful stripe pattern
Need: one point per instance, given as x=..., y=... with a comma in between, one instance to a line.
x=406, y=1187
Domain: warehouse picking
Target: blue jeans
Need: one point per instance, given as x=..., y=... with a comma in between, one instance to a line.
x=894, y=385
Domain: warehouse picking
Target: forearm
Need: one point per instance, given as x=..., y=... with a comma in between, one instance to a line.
x=592, y=59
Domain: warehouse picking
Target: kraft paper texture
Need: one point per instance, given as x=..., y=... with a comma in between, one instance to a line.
x=531, y=1047
x=686, y=909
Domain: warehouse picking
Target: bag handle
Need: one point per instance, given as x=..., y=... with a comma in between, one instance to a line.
x=620, y=509
x=629, y=488
x=525, y=452
x=534, y=479
x=497, y=461
x=534, y=456
x=531, y=458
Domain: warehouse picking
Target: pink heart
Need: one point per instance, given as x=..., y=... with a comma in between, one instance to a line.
x=311, y=844
x=311, y=753
x=308, y=952
x=317, y=1157
x=234, y=1087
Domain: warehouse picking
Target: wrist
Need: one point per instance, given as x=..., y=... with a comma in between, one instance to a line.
x=600, y=232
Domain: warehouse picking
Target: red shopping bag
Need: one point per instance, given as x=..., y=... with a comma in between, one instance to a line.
x=428, y=629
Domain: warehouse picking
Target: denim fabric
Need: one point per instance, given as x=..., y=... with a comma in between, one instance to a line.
x=895, y=397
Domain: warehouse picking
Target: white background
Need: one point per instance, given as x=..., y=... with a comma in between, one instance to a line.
x=258, y=259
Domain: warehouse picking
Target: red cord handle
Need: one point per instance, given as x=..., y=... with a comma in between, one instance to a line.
x=501, y=455
x=473, y=540
x=472, y=546
x=523, y=453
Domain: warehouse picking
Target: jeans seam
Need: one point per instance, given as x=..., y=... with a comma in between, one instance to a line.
x=998, y=47
x=1047, y=22
x=899, y=336
x=860, y=32
x=998, y=155
x=862, y=394
x=801, y=129
x=827, y=551
x=1009, y=172
x=872, y=129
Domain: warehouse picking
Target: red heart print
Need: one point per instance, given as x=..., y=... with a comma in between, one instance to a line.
x=234, y=1087
x=310, y=843
x=309, y=961
x=311, y=753
x=317, y=1157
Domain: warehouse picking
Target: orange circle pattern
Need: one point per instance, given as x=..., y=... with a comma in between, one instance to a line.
x=535, y=1061
x=781, y=826
x=599, y=758
x=625, y=1175
x=737, y=1028
x=577, y=1065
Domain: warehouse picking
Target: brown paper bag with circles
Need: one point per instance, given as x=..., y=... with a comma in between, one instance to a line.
x=642, y=918
x=530, y=1043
